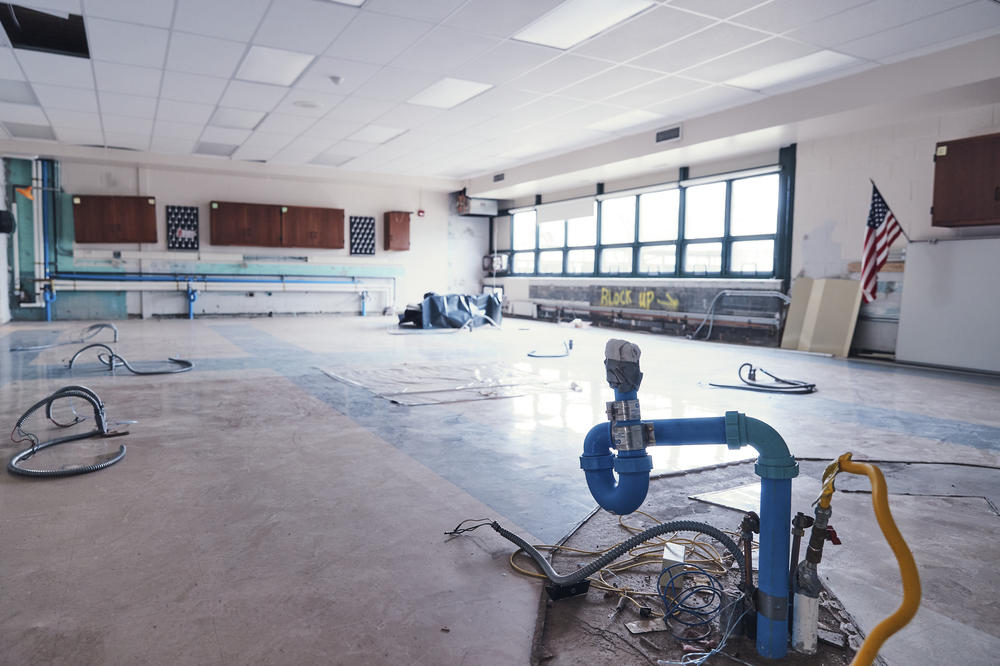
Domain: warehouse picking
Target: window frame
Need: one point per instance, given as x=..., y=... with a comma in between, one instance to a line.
x=781, y=236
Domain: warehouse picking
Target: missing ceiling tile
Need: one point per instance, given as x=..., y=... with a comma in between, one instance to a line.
x=26, y=131
x=35, y=30
x=219, y=149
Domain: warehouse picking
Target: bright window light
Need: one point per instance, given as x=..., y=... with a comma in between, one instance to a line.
x=448, y=92
x=576, y=20
x=263, y=64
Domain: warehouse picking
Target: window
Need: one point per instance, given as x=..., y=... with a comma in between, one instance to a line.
x=723, y=228
x=618, y=221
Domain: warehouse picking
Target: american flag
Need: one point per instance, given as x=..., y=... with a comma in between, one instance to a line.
x=882, y=230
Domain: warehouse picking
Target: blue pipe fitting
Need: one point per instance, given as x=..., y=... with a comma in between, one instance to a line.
x=628, y=492
x=48, y=295
x=774, y=461
x=192, y=295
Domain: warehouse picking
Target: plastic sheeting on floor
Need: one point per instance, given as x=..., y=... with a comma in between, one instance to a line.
x=433, y=384
x=453, y=311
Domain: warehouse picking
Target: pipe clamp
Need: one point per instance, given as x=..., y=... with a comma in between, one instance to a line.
x=633, y=437
x=772, y=607
x=623, y=410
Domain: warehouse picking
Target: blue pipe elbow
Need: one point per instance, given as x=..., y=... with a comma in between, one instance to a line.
x=628, y=492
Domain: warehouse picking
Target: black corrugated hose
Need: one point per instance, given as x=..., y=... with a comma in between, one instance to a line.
x=113, y=360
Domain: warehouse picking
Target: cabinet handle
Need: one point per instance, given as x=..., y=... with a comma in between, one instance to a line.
x=996, y=193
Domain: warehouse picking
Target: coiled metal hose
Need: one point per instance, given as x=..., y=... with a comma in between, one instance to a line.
x=85, y=335
x=114, y=360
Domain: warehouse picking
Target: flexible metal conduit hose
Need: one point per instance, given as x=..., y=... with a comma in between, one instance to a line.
x=621, y=549
x=113, y=360
x=85, y=335
x=710, y=314
x=66, y=392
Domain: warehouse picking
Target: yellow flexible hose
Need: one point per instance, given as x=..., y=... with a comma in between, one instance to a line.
x=907, y=567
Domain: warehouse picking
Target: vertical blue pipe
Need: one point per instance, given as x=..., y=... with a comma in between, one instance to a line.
x=46, y=213
x=192, y=297
x=775, y=517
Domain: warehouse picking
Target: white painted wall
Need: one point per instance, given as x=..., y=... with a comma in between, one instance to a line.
x=425, y=266
x=468, y=242
x=833, y=194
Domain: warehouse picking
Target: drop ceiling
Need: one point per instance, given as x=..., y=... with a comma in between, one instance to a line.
x=444, y=88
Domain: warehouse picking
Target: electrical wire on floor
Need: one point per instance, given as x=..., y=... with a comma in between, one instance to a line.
x=779, y=385
x=86, y=334
x=567, y=347
x=644, y=548
x=19, y=434
x=112, y=360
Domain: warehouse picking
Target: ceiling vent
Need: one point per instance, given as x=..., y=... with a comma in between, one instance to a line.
x=40, y=31
x=669, y=134
x=497, y=177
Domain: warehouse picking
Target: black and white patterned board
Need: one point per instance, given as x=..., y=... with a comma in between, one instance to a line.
x=182, y=227
x=362, y=235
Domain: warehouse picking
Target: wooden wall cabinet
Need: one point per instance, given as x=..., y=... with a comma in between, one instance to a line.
x=245, y=224
x=967, y=182
x=397, y=230
x=114, y=219
x=302, y=226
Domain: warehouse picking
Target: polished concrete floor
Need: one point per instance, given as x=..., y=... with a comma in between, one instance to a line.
x=266, y=513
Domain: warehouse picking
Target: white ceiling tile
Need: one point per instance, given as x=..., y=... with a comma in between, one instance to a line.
x=303, y=25
x=610, y=82
x=717, y=8
x=208, y=56
x=750, y=59
x=500, y=19
x=359, y=109
x=57, y=97
x=453, y=120
x=9, y=69
x=560, y=73
x=126, y=43
x=113, y=123
x=267, y=140
x=80, y=137
x=283, y=123
x=170, y=130
x=184, y=112
x=979, y=19
x=393, y=84
x=236, y=118
x=127, y=105
x=307, y=144
x=508, y=60
x=643, y=33
x=352, y=148
x=425, y=10
x=131, y=140
x=543, y=109
x=377, y=38
x=709, y=43
x=704, y=101
x=412, y=140
x=376, y=133
x=869, y=19
x=498, y=101
x=332, y=128
x=308, y=103
x=627, y=121
x=288, y=156
x=56, y=69
x=783, y=15
x=352, y=75
x=408, y=115
x=70, y=119
x=157, y=13
x=657, y=91
x=172, y=146
x=22, y=113
x=255, y=153
x=229, y=19
x=115, y=77
x=186, y=87
x=71, y=6
x=225, y=135
x=330, y=159
x=252, y=96
x=589, y=114
x=444, y=49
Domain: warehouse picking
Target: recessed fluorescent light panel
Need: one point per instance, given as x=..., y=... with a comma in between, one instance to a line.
x=624, y=121
x=263, y=64
x=813, y=64
x=27, y=131
x=17, y=92
x=576, y=20
x=220, y=149
x=352, y=3
x=236, y=118
x=376, y=134
x=448, y=92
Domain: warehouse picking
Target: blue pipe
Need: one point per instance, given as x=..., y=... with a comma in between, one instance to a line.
x=111, y=277
x=46, y=213
x=192, y=297
x=775, y=465
x=48, y=296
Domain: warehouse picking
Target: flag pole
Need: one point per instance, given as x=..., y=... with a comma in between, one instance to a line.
x=901, y=229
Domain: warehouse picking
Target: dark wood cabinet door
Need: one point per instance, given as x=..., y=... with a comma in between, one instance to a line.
x=967, y=182
x=397, y=230
x=303, y=226
x=234, y=223
x=114, y=219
